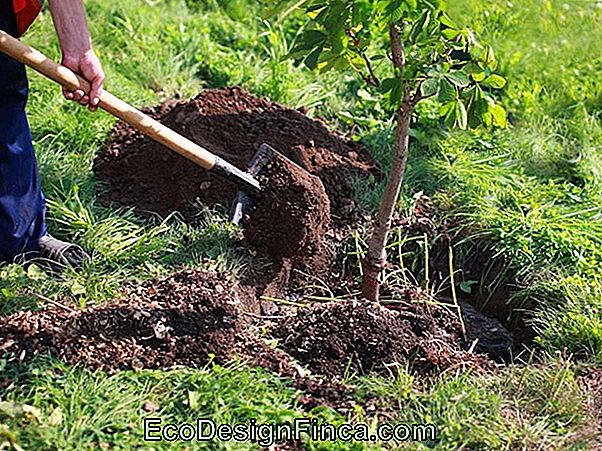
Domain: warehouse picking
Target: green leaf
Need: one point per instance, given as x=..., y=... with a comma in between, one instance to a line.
x=330, y=61
x=420, y=26
x=447, y=110
x=495, y=81
x=387, y=85
x=394, y=9
x=450, y=34
x=487, y=58
x=446, y=20
x=447, y=91
x=455, y=114
x=334, y=17
x=478, y=76
x=313, y=37
x=498, y=113
x=396, y=93
x=458, y=78
x=312, y=59
x=430, y=87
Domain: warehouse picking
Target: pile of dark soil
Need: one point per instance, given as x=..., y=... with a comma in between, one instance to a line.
x=232, y=123
x=185, y=319
x=302, y=198
x=192, y=317
x=363, y=337
x=292, y=217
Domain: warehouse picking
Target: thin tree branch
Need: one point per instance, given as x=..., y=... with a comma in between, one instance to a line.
x=399, y=56
x=374, y=79
x=418, y=96
x=368, y=80
x=371, y=78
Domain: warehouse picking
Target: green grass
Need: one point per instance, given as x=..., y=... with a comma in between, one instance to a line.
x=53, y=406
x=531, y=192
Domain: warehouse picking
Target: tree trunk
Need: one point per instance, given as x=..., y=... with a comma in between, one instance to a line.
x=375, y=260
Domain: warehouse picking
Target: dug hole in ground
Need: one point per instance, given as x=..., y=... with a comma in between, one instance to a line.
x=308, y=209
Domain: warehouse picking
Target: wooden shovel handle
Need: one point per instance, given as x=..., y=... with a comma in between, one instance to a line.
x=108, y=102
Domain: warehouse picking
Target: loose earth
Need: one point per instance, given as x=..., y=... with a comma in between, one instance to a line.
x=192, y=317
x=231, y=123
x=293, y=214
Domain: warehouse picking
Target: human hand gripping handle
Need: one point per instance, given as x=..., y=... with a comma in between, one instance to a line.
x=117, y=107
x=88, y=66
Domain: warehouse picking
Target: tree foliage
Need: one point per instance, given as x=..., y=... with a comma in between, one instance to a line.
x=409, y=50
x=441, y=59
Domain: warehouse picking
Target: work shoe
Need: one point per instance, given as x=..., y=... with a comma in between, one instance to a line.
x=54, y=256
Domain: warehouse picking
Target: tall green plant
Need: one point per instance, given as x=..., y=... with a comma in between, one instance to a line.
x=408, y=51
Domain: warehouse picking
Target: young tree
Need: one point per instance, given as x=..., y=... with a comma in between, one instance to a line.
x=408, y=50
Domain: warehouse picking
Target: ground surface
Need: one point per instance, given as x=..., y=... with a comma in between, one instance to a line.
x=513, y=214
x=193, y=318
x=184, y=319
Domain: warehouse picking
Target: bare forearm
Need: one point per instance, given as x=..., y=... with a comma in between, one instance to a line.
x=69, y=17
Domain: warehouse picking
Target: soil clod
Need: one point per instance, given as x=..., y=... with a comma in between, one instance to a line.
x=186, y=320
x=293, y=214
x=181, y=320
x=361, y=337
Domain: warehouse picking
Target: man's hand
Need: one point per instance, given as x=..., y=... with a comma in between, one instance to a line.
x=71, y=26
x=88, y=66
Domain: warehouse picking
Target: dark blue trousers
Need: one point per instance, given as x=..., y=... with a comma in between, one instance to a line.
x=22, y=205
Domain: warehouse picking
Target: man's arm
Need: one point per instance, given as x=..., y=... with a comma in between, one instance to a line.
x=69, y=17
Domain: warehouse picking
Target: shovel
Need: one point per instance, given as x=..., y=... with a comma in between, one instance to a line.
x=248, y=185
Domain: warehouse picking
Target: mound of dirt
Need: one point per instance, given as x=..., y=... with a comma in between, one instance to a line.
x=293, y=215
x=193, y=317
x=362, y=337
x=185, y=319
x=232, y=123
